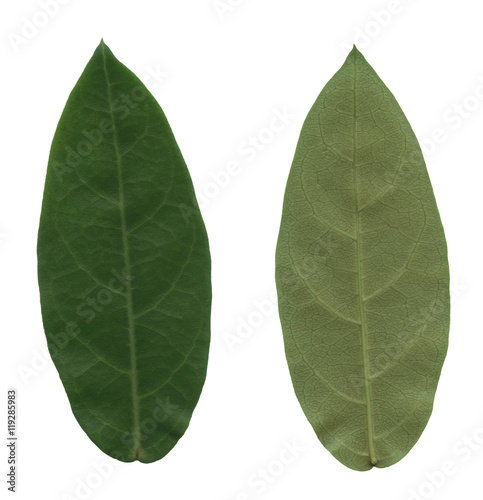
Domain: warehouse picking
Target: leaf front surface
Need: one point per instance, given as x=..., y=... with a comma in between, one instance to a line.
x=362, y=273
x=124, y=266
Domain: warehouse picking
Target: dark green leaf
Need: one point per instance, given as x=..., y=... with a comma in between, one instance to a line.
x=124, y=266
x=362, y=273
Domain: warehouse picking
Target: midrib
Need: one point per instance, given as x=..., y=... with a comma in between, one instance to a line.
x=127, y=264
x=362, y=313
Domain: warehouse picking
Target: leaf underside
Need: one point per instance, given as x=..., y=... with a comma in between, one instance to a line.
x=362, y=273
x=123, y=266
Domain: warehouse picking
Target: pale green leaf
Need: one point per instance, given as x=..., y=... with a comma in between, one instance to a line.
x=362, y=273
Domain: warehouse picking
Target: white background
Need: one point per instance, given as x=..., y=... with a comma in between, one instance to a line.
x=220, y=76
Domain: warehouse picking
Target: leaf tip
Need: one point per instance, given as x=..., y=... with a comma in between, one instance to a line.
x=104, y=49
x=355, y=51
